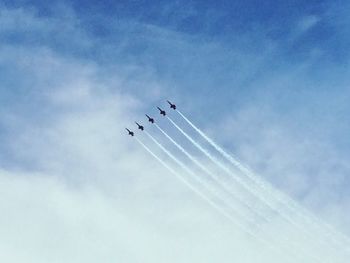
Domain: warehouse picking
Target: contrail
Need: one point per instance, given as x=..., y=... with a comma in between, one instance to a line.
x=183, y=166
x=223, y=167
x=208, y=187
x=242, y=183
x=189, y=185
x=287, y=202
x=214, y=177
x=281, y=197
x=202, y=182
x=202, y=195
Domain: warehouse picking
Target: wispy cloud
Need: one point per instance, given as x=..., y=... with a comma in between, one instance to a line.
x=307, y=23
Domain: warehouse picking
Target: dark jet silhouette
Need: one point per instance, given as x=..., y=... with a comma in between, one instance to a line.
x=140, y=127
x=172, y=106
x=130, y=132
x=151, y=120
x=162, y=112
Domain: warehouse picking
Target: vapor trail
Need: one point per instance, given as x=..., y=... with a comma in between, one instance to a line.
x=183, y=180
x=202, y=195
x=223, y=167
x=274, y=193
x=209, y=187
x=245, y=185
x=214, y=177
x=201, y=181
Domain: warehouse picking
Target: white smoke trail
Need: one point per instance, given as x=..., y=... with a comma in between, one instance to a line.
x=223, y=167
x=250, y=190
x=186, y=168
x=188, y=184
x=201, y=182
x=214, y=177
x=298, y=254
x=203, y=196
x=286, y=201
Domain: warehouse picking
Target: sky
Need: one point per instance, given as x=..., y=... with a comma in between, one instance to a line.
x=267, y=81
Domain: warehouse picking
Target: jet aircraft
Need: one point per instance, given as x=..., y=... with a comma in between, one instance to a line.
x=130, y=132
x=172, y=106
x=140, y=127
x=151, y=120
x=162, y=112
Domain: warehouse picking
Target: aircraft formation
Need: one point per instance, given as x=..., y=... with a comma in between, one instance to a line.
x=150, y=119
x=244, y=198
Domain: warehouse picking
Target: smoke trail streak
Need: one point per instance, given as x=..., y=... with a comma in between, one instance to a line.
x=245, y=186
x=188, y=184
x=183, y=166
x=214, y=177
x=198, y=179
x=202, y=195
x=281, y=197
x=222, y=166
x=270, y=245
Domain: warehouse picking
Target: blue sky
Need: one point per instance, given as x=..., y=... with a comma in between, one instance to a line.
x=269, y=81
